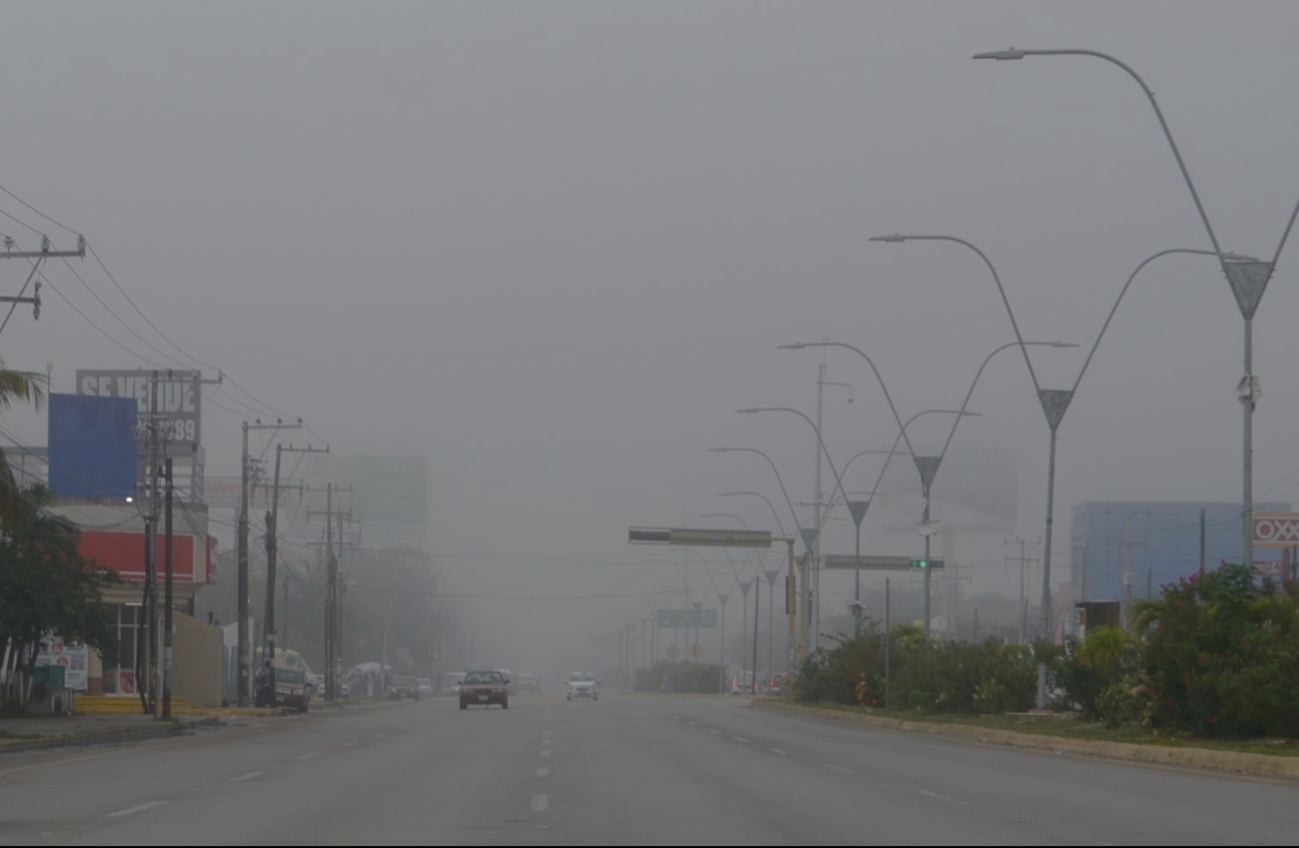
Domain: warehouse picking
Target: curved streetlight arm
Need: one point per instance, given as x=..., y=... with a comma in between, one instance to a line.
x=1150, y=95
x=770, y=506
x=838, y=480
x=1128, y=284
x=870, y=362
x=979, y=373
x=793, y=512
x=854, y=458
x=880, y=478
x=1019, y=337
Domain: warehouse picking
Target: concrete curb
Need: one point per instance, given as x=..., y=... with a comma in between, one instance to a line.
x=1198, y=758
x=110, y=737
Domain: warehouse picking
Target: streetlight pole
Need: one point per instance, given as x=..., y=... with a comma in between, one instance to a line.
x=814, y=542
x=1248, y=280
x=1054, y=402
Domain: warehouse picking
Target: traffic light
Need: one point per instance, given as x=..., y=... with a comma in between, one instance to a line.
x=920, y=564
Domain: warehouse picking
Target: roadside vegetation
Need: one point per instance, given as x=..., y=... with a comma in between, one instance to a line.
x=683, y=678
x=1215, y=657
x=46, y=586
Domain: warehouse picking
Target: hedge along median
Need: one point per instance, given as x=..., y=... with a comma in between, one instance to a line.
x=1152, y=753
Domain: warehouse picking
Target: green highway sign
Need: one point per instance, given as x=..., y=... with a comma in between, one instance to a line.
x=678, y=618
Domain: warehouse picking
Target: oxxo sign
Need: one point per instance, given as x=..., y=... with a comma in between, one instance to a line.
x=179, y=400
x=1276, y=529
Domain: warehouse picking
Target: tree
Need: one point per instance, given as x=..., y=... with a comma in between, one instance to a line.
x=14, y=385
x=46, y=585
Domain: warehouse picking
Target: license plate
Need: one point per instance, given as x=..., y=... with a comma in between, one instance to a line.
x=482, y=697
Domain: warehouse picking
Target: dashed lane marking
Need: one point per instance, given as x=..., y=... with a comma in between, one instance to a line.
x=309, y=756
x=714, y=732
x=540, y=803
x=776, y=751
x=348, y=744
x=545, y=755
x=740, y=739
x=138, y=808
x=840, y=769
x=543, y=773
x=252, y=775
x=693, y=723
x=942, y=798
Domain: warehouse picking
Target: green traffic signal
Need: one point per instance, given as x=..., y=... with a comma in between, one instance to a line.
x=920, y=563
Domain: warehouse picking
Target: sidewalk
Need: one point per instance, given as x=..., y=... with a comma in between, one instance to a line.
x=27, y=734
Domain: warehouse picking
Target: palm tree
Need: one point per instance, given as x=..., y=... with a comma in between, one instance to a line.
x=15, y=386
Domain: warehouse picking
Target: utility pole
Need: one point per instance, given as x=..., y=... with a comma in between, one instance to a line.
x=168, y=622
x=36, y=257
x=151, y=547
x=245, y=641
x=1024, y=561
x=333, y=596
x=272, y=549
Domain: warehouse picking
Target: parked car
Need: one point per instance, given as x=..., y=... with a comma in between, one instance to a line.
x=426, y=687
x=484, y=688
x=742, y=683
x=582, y=684
x=291, y=689
x=779, y=684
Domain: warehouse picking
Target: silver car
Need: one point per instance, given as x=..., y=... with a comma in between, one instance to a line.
x=582, y=684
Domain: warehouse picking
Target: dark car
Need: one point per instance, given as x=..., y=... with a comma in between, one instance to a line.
x=485, y=688
x=291, y=689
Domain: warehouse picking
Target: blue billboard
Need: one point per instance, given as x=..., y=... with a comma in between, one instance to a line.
x=94, y=452
x=1155, y=542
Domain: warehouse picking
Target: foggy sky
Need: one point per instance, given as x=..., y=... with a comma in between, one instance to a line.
x=553, y=247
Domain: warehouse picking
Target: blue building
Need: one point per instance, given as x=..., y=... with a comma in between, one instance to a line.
x=1157, y=541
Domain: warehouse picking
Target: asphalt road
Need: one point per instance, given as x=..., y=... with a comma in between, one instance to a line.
x=625, y=770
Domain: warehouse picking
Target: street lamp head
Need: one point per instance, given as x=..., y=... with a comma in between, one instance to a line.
x=794, y=346
x=1239, y=257
x=893, y=239
x=720, y=450
x=749, y=411
x=1062, y=344
x=1003, y=55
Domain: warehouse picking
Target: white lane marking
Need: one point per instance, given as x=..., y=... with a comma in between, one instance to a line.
x=942, y=798
x=776, y=751
x=380, y=735
x=309, y=756
x=740, y=739
x=676, y=717
x=58, y=763
x=139, y=808
x=543, y=773
x=840, y=769
x=692, y=723
x=714, y=732
x=540, y=803
x=348, y=744
x=545, y=755
x=252, y=775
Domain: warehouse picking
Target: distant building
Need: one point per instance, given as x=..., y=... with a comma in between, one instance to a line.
x=1156, y=542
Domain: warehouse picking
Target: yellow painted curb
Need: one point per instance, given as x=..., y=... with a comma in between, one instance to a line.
x=1201, y=758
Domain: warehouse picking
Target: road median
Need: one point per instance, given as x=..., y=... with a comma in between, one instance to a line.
x=1151, y=753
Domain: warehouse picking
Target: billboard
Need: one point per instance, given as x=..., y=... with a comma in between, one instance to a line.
x=179, y=401
x=1276, y=530
x=93, y=448
x=679, y=618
